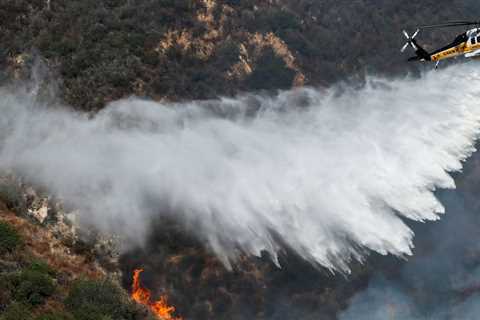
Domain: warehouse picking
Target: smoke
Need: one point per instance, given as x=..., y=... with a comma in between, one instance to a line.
x=441, y=281
x=332, y=174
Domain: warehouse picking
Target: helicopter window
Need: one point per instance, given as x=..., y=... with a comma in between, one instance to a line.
x=461, y=38
x=474, y=40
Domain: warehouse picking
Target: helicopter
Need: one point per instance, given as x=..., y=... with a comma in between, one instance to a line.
x=467, y=43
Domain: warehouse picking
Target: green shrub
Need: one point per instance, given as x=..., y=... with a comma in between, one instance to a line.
x=16, y=311
x=30, y=286
x=227, y=54
x=33, y=287
x=12, y=196
x=8, y=281
x=41, y=267
x=271, y=73
x=9, y=238
x=5, y=292
x=55, y=316
x=94, y=300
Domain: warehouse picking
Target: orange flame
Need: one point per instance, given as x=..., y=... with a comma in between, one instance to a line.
x=141, y=295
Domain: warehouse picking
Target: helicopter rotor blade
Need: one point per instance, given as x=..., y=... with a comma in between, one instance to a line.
x=415, y=34
x=404, y=47
x=450, y=24
x=406, y=34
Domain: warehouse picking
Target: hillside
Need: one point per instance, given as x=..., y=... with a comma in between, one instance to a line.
x=100, y=51
x=89, y=53
x=47, y=273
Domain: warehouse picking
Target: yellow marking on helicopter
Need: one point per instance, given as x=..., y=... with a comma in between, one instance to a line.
x=455, y=52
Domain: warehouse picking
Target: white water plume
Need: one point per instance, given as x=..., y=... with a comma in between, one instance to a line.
x=330, y=173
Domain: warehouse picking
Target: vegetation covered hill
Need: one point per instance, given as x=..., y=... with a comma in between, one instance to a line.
x=99, y=51
x=197, y=49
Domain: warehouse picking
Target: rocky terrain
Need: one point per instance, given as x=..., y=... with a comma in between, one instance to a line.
x=48, y=272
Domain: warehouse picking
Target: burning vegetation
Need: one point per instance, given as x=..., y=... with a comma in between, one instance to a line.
x=143, y=296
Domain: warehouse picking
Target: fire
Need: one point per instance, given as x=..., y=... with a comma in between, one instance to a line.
x=141, y=295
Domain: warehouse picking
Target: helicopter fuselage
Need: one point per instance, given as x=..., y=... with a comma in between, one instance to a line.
x=467, y=44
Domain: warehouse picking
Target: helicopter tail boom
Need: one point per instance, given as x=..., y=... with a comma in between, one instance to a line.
x=422, y=54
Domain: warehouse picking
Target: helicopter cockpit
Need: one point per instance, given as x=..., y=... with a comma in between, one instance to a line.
x=473, y=36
